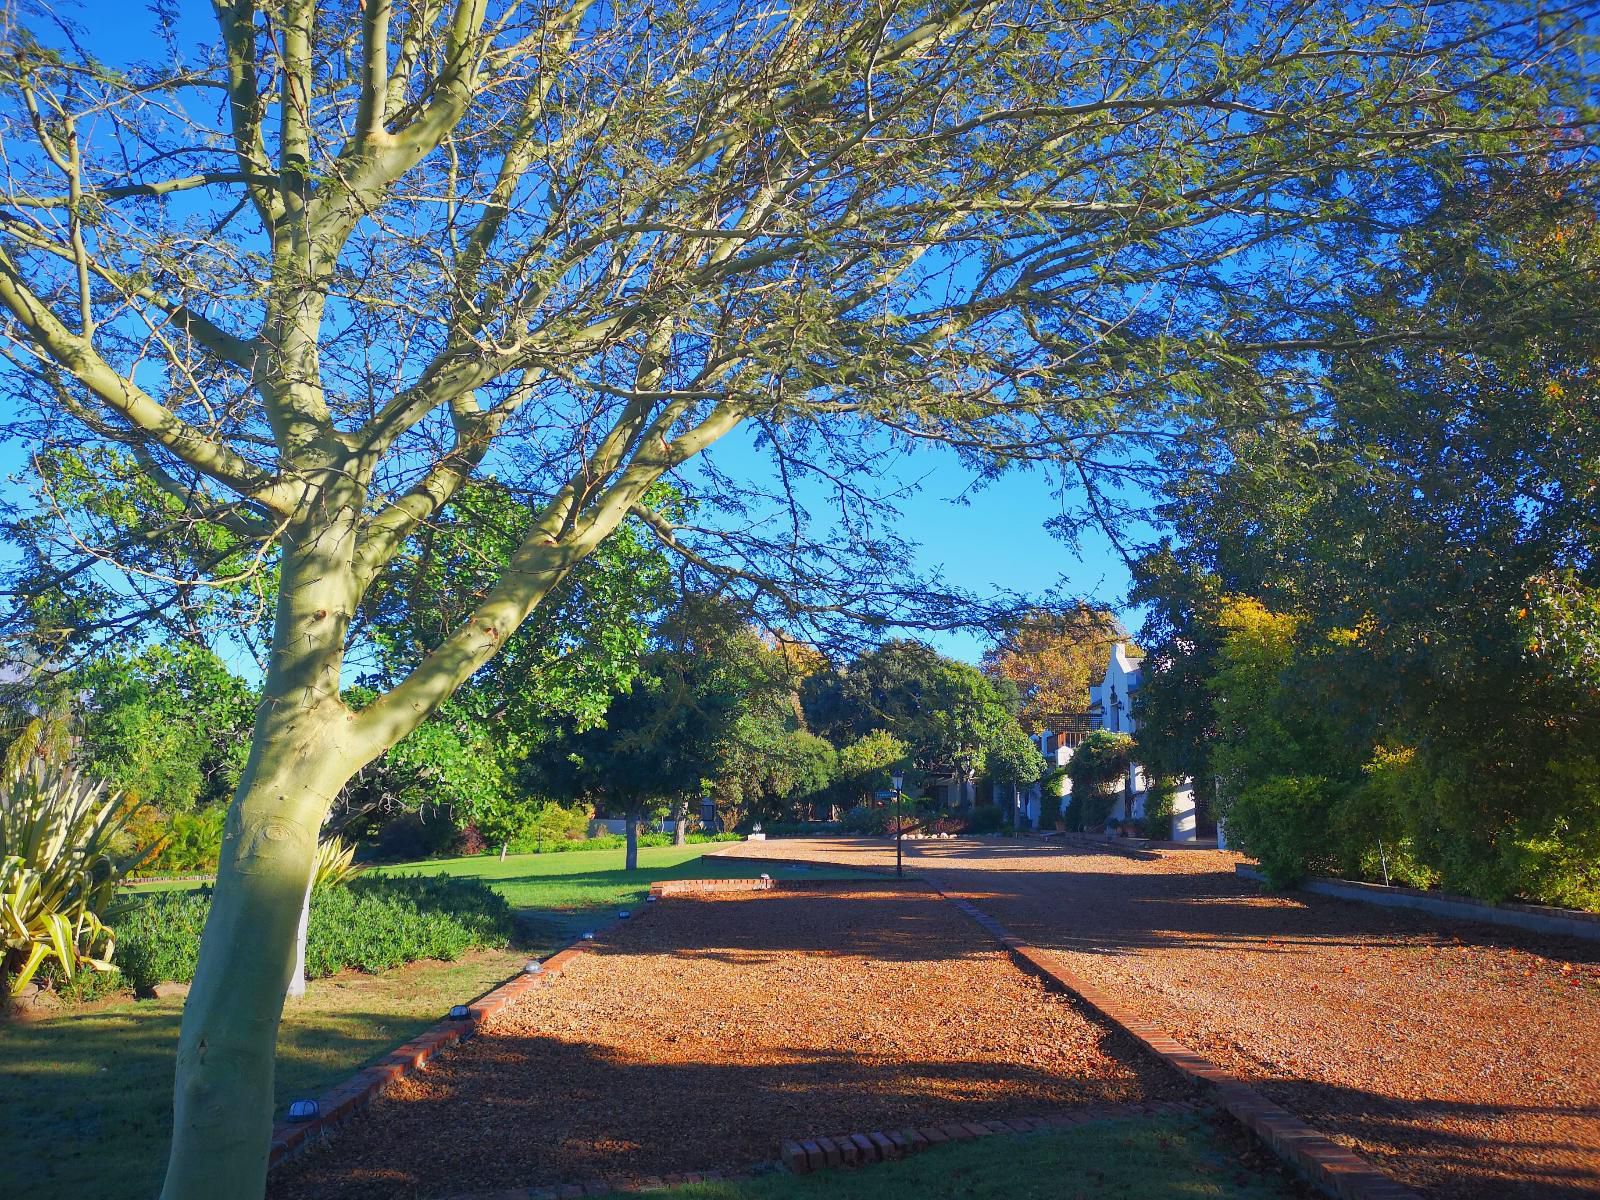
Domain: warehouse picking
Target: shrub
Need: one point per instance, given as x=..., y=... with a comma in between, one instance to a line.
x=1283, y=824
x=986, y=818
x=159, y=938
x=58, y=873
x=865, y=821
x=783, y=829
x=191, y=842
x=378, y=923
x=1158, y=805
x=375, y=923
x=335, y=865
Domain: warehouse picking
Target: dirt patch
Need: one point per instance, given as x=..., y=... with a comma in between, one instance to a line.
x=707, y=1033
x=1462, y=1059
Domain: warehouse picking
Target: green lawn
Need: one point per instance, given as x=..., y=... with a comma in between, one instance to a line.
x=88, y=1093
x=571, y=890
x=1167, y=1158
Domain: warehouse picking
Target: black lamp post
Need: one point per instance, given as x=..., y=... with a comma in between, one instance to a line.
x=897, y=779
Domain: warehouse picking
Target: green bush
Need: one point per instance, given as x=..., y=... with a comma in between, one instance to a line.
x=783, y=829
x=372, y=924
x=986, y=818
x=1158, y=810
x=864, y=821
x=191, y=843
x=1283, y=824
x=158, y=939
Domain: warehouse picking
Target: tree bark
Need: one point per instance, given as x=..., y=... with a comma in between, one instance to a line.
x=680, y=823
x=301, y=754
x=297, y=980
x=223, y=1094
x=631, y=861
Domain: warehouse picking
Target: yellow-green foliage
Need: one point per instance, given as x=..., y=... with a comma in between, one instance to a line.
x=335, y=864
x=58, y=874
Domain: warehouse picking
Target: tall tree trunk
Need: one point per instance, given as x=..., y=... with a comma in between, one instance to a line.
x=222, y=1104
x=680, y=822
x=631, y=861
x=301, y=754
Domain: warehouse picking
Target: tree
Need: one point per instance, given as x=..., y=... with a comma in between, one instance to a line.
x=948, y=714
x=580, y=244
x=1052, y=658
x=1400, y=669
x=662, y=738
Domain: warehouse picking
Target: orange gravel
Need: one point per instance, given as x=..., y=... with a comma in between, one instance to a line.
x=1462, y=1059
x=704, y=1034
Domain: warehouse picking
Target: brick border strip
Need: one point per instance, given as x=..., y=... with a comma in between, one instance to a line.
x=803, y=1156
x=1324, y=1163
x=337, y=1106
x=792, y=863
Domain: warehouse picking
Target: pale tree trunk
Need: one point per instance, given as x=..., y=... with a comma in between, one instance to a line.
x=631, y=860
x=300, y=756
x=680, y=823
x=297, y=981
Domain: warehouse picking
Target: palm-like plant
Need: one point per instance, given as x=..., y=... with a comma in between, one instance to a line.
x=335, y=864
x=58, y=871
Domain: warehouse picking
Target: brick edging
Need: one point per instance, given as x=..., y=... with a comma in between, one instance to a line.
x=1324, y=1163
x=361, y=1089
x=805, y=1155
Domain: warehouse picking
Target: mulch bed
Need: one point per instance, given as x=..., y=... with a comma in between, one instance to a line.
x=1462, y=1059
x=703, y=1036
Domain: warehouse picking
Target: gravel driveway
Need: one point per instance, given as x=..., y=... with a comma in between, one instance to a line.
x=1462, y=1059
x=711, y=1030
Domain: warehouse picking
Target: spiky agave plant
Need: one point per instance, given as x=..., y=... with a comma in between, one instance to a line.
x=335, y=864
x=58, y=870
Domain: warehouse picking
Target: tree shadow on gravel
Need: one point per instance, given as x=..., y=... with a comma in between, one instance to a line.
x=531, y=1111
x=1504, y=1151
x=898, y=926
x=1118, y=911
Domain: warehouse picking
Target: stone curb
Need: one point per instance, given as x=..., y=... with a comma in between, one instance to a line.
x=1322, y=1162
x=337, y=1106
x=1530, y=918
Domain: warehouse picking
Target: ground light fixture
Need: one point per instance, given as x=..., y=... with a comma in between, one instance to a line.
x=460, y=1012
x=304, y=1110
x=587, y=937
x=624, y=915
x=533, y=967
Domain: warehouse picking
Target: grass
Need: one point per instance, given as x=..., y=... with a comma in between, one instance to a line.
x=1167, y=1158
x=567, y=891
x=88, y=1093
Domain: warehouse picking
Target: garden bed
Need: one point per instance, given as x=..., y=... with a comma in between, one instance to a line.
x=704, y=1038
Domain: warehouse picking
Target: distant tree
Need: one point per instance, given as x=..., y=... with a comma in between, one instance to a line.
x=949, y=714
x=1052, y=657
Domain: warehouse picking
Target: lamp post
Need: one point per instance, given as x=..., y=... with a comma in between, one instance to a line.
x=897, y=779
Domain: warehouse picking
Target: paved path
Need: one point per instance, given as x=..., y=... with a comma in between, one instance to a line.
x=1464, y=1060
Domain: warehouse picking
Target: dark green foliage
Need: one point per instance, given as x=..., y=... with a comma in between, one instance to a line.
x=158, y=938
x=1101, y=760
x=372, y=924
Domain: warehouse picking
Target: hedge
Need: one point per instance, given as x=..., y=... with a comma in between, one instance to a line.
x=372, y=924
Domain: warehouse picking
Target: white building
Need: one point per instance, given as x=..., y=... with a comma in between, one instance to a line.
x=1110, y=707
